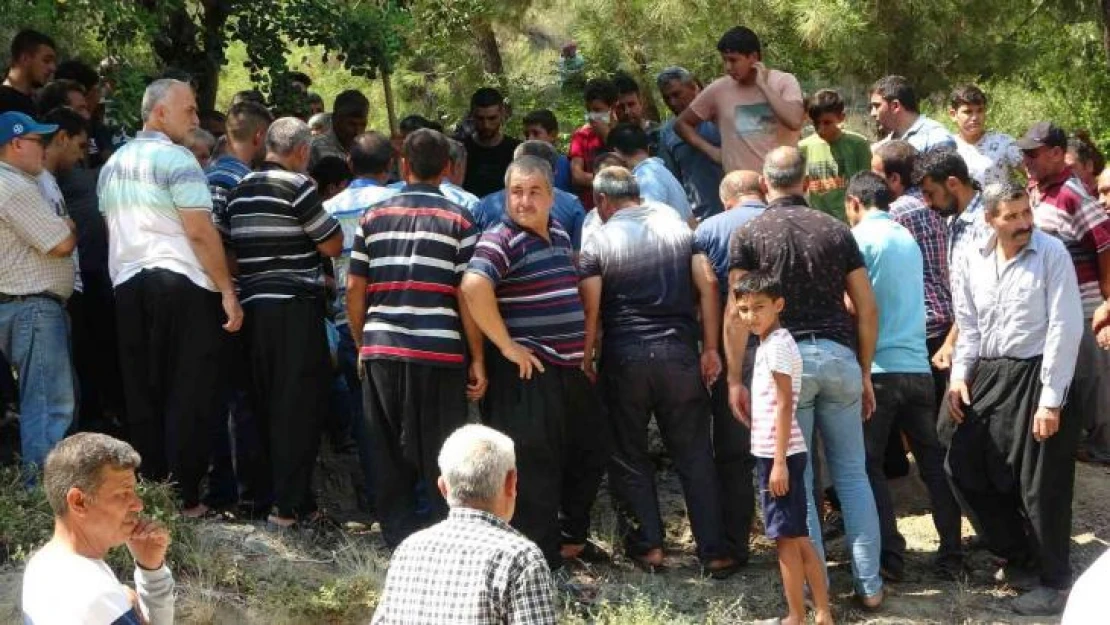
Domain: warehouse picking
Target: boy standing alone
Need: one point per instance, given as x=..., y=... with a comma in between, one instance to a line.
x=778, y=445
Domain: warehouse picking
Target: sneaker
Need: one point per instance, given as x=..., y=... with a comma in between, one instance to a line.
x=1041, y=601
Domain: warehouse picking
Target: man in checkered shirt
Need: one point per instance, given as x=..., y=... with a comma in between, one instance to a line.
x=472, y=568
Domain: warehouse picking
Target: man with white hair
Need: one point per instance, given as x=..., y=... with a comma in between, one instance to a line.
x=472, y=567
x=278, y=231
x=171, y=279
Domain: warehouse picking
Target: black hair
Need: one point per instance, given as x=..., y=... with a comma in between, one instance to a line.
x=486, y=96
x=603, y=155
x=411, y=123
x=871, y=190
x=300, y=77
x=248, y=95
x=27, y=41
x=427, y=152
x=627, y=139
x=624, y=83
x=898, y=157
x=600, y=89
x=544, y=119
x=894, y=87
x=314, y=97
x=967, y=94
x=330, y=170
x=939, y=164
x=211, y=115
x=80, y=71
x=67, y=120
x=245, y=118
x=1085, y=150
x=56, y=93
x=350, y=102
x=370, y=154
x=740, y=40
x=758, y=283
x=823, y=102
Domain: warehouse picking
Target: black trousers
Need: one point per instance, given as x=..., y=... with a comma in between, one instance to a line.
x=410, y=409
x=559, y=430
x=96, y=355
x=732, y=455
x=290, y=378
x=1009, y=478
x=169, y=344
x=905, y=401
x=661, y=378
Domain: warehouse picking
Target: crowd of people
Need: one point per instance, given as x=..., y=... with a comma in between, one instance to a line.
x=226, y=290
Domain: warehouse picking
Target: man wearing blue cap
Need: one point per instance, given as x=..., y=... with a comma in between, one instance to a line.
x=36, y=278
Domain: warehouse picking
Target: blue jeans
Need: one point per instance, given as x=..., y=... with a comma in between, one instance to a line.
x=34, y=333
x=832, y=387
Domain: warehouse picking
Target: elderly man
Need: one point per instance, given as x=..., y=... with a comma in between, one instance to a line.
x=171, y=279
x=348, y=120
x=642, y=275
x=699, y=174
x=817, y=261
x=522, y=289
x=472, y=567
x=90, y=484
x=36, y=278
x=279, y=230
x=1020, y=324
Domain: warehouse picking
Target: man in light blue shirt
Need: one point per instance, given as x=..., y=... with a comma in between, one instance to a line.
x=698, y=173
x=894, y=107
x=657, y=183
x=743, y=200
x=900, y=372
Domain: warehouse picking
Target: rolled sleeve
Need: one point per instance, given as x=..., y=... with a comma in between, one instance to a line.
x=1065, y=328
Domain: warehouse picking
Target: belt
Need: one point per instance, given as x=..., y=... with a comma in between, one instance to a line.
x=7, y=299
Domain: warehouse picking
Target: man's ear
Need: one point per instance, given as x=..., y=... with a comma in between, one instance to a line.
x=442, y=484
x=77, y=502
x=511, y=483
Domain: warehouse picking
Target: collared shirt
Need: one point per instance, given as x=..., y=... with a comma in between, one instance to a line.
x=536, y=286
x=994, y=158
x=968, y=232
x=275, y=219
x=52, y=193
x=713, y=235
x=471, y=568
x=566, y=210
x=700, y=176
x=643, y=255
x=142, y=188
x=658, y=184
x=325, y=145
x=224, y=174
x=1025, y=307
x=347, y=208
x=29, y=229
x=829, y=167
x=926, y=134
x=412, y=248
x=812, y=254
x=896, y=270
x=928, y=229
x=1063, y=208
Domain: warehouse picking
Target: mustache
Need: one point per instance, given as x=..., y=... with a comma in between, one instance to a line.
x=1023, y=231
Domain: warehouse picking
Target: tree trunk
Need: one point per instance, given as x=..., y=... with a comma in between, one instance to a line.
x=1105, y=14
x=647, y=92
x=487, y=47
x=390, y=107
x=177, y=47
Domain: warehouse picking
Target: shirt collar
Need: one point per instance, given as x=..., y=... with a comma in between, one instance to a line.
x=974, y=209
x=228, y=159
x=16, y=170
x=1034, y=245
x=153, y=135
x=272, y=166
x=789, y=200
x=421, y=187
x=916, y=127
x=876, y=214
x=359, y=183
x=752, y=204
x=462, y=513
x=1055, y=181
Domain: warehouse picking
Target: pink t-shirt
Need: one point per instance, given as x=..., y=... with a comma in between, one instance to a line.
x=778, y=353
x=749, y=127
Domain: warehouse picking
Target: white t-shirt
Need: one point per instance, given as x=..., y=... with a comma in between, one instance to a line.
x=995, y=158
x=63, y=588
x=778, y=353
x=48, y=187
x=1087, y=601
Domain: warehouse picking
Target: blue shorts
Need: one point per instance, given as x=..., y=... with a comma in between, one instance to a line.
x=784, y=517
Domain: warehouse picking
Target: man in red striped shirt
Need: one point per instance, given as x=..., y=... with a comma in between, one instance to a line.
x=408, y=324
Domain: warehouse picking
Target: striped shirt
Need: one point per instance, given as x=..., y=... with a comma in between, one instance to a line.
x=142, y=188
x=778, y=353
x=224, y=174
x=537, y=289
x=347, y=208
x=412, y=249
x=275, y=220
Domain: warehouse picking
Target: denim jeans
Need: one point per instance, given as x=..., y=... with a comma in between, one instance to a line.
x=832, y=387
x=34, y=334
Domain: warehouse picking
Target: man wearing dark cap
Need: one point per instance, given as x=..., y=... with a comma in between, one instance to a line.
x=1063, y=208
x=36, y=279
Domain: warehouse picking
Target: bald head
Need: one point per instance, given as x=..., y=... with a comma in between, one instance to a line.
x=784, y=172
x=740, y=186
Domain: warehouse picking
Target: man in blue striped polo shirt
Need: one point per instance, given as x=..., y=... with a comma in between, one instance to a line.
x=522, y=288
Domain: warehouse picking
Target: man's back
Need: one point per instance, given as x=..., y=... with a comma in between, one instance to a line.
x=347, y=208
x=713, y=235
x=658, y=184
x=471, y=568
x=812, y=254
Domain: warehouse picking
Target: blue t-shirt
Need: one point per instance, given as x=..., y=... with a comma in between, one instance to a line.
x=713, y=234
x=894, y=266
x=699, y=175
x=567, y=210
x=562, y=174
x=658, y=184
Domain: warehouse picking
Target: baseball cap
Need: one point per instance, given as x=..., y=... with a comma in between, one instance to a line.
x=1043, y=134
x=14, y=124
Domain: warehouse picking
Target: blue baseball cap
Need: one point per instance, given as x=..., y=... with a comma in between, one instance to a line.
x=14, y=124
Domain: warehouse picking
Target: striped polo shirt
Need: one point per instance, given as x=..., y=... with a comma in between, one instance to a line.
x=224, y=174
x=275, y=219
x=412, y=249
x=537, y=289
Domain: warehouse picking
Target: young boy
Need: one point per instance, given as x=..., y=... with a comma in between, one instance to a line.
x=833, y=155
x=778, y=446
x=588, y=140
x=990, y=156
x=542, y=125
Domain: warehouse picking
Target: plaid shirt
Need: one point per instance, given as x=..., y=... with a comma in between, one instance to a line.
x=928, y=230
x=968, y=232
x=29, y=229
x=470, y=569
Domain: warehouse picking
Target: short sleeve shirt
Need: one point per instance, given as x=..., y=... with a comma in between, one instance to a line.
x=224, y=174
x=749, y=127
x=994, y=158
x=812, y=255
x=699, y=175
x=29, y=229
x=565, y=209
x=829, y=167
x=585, y=144
x=486, y=165
x=658, y=184
x=778, y=353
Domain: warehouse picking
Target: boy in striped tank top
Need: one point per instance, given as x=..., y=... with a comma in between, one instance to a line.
x=778, y=446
